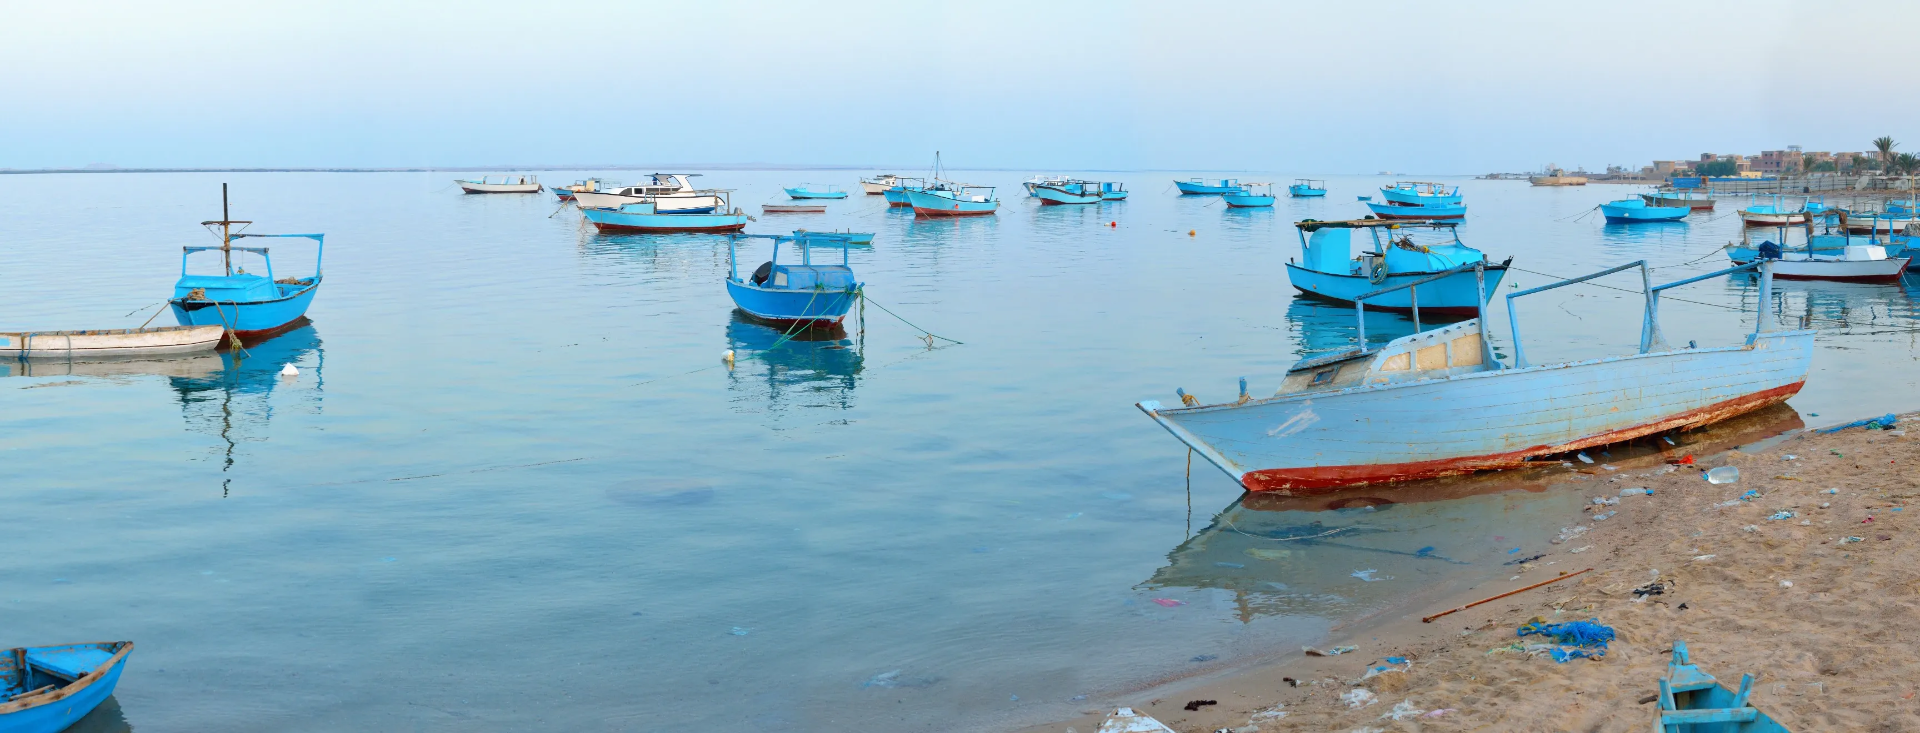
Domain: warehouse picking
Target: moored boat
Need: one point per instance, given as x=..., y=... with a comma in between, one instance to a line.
x=1069, y=192
x=645, y=216
x=879, y=184
x=896, y=195
x=566, y=193
x=1826, y=256
x=1113, y=191
x=109, y=342
x=1557, y=177
x=1033, y=183
x=503, y=184
x=804, y=295
x=248, y=305
x=793, y=208
x=852, y=237
x=1307, y=188
x=1419, y=193
x=1250, y=196
x=47, y=689
x=1398, y=210
x=1678, y=198
x=948, y=198
x=803, y=192
x=1439, y=402
x=672, y=192
x=1634, y=211
x=1207, y=186
x=1328, y=269
x=1771, y=215
x=1881, y=223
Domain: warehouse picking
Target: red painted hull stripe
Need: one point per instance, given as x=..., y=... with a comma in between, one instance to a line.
x=676, y=230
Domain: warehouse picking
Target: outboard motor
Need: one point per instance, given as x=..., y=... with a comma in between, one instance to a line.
x=765, y=270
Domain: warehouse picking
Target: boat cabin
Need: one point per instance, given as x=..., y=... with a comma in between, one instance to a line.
x=1327, y=246
x=803, y=276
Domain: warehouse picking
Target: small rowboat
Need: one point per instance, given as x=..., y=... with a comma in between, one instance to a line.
x=793, y=209
x=805, y=295
x=109, y=342
x=802, y=192
x=1069, y=192
x=505, y=184
x=1250, y=196
x=1692, y=701
x=46, y=689
x=1307, y=188
x=1633, y=211
x=1395, y=210
x=1201, y=187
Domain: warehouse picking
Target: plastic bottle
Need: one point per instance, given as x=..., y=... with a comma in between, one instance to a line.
x=1723, y=475
x=1634, y=492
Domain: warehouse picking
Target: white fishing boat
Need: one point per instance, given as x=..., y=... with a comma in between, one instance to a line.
x=501, y=184
x=1033, y=184
x=672, y=192
x=879, y=184
x=109, y=342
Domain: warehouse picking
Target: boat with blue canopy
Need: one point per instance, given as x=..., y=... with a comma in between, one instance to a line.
x=1398, y=210
x=1207, y=186
x=1113, y=191
x=1307, y=188
x=803, y=295
x=645, y=216
x=1069, y=192
x=1250, y=196
x=1329, y=270
x=802, y=192
x=47, y=689
x=1678, y=197
x=896, y=194
x=248, y=305
x=1420, y=193
x=1634, y=211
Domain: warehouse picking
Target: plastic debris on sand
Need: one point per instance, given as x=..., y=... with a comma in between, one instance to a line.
x=1576, y=639
x=1604, y=516
x=1723, y=475
x=1438, y=713
x=1779, y=515
x=1359, y=697
x=1125, y=720
x=1367, y=575
x=1403, y=711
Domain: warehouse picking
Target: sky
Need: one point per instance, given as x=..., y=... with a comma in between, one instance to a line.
x=1319, y=87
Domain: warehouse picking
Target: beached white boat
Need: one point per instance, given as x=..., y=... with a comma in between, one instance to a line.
x=879, y=184
x=504, y=184
x=673, y=192
x=110, y=342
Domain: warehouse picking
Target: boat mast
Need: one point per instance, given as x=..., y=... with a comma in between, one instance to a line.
x=226, y=232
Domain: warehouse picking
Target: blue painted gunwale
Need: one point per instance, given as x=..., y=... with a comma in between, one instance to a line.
x=1420, y=193
x=92, y=668
x=802, y=193
x=642, y=217
x=246, y=304
x=826, y=301
x=1429, y=211
x=948, y=202
x=1633, y=211
x=1336, y=275
x=1071, y=192
x=1210, y=186
x=1692, y=701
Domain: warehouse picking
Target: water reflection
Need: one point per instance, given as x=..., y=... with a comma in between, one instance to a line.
x=235, y=404
x=817, y=367
x=195, y=365
x=1322, y=327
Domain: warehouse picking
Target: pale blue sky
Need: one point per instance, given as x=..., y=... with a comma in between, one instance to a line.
x=1336, y=87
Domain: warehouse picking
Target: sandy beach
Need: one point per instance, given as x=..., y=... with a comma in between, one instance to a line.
x=1802, y=573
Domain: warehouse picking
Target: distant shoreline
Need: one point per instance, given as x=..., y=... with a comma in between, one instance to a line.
x=662, y=167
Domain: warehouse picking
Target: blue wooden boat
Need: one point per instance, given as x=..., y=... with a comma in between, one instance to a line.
x=1439, y=402
x=802, y=192
x=565, y=193
x=1307, y=188
x=948, y=198
x=1112, y=191
x=1692, y=701
x=1250, y=196
x=1634, y=211
x=1208, y=186
x=897, y=195
x=1033, y=183
x=248, y=305
x=46, y=689
x=801, y=295
x=1069, y=192
x=1420, y=193
x=1397, y=210
x=1673, y=197
x=1329, y=270
x=1908, y=206
x=854, y=238
x=646, y=217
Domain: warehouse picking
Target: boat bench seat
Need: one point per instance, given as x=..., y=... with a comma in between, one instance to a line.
x=69, y=662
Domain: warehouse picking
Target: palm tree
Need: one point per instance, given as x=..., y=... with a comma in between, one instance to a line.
x=1885, y=145
x=1906, y=164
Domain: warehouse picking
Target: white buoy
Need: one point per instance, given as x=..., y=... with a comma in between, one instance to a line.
x=727, y=357
x=289, y=371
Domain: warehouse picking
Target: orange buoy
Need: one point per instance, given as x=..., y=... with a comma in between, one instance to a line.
x=1114, y=224
x=1189, y=232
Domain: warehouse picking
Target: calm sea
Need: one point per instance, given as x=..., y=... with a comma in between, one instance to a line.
x=513, y=487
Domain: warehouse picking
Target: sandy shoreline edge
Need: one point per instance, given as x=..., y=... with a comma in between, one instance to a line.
x=1839, y=626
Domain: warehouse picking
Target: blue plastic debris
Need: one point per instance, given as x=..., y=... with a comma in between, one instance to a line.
x=1783, y=514
x=1577, y=639
x=1396, y=660
x=1424, y=551
x=1876, y=423
x=1514, y=550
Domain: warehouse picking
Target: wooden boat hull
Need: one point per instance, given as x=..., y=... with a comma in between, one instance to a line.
x=247, y=319
x=1618, y=213
x=1056, y=196
x=897, y=197
x=85, y=675
x=875, y=189
x=778, y=209
x=609, y=220
x=1311, y=442
x=1408, y=196
x=472, y=187
x=1247, y=200
x=1302, y=192
x=1770, y=219
x=1113, y=196
x=668, y=203
x=801, y=193
x=1457, y=295
x=1864, y=271
x=927, y=204
x=1557, y=180
x=791, y=306
x=1701, y=204
x=1429, y=211
x=1202, y=189
x=117, y=342
x=1871, y=225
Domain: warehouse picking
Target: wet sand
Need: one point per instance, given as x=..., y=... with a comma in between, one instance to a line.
x=1822, y=619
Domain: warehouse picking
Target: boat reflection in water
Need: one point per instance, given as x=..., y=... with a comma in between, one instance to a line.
x=190, y=366
x=1326, y=328
x=1304, y=555
x=817, y=367
x=235, y=404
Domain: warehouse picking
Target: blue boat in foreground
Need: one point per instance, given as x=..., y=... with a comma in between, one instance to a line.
x=1207, y=186
x=1397, y=210
x=1328, y=269
x=1634, y=211
x=1069, y=192
x=1308, y=188
x=645, y=216
x=1439, y=402
x=802, y=192
x=46, y=689
x=1250, y=196
x=248, y=305
x=1692, y=701
x=1420, y=193
x=803, y=295
x=1112, y=191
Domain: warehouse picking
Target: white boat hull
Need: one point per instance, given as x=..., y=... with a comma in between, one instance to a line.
x=875, y=189
x=668, y=202
x=1753, y=219
x=81, y=345
x=1882, y=270
x=471, y=187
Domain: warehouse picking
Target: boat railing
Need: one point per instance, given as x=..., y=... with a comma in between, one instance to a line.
x=1650, y=336
x=804, y=238
x=1479, y=269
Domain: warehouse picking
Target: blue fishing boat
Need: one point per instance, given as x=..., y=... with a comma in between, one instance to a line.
x=802, y=192
x=802, y=295
x=1111, y=191
x=1757, y=214
x=1420, y=193
x=1634, y=211
x=896, y=195
x=1908, y=206
x=1439, y=402
x=949, y=198
x=854, y=238
x=248, y=305
x=645, y=216
x=1250, y=196
x=1677, y=197
x=1069, y=192
x=565, y=193
x=1692, y=701
x=1397, y=210
x=1032, y=184
x=1206, y=186
x=1308, y=188
x=47, y=689
x=1329, y=270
